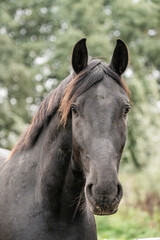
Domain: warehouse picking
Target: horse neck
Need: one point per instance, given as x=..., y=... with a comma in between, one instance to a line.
x=60, y=184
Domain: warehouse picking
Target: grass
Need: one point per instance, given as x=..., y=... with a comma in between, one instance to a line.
x=138, y=215
x=128, y=224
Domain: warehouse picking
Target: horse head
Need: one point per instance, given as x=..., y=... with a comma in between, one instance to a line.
x=98, y=103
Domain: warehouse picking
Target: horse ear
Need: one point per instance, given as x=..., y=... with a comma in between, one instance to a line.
x=79, y=56
x=119, y=60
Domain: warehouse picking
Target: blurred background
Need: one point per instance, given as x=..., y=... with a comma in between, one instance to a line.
x=36, y=39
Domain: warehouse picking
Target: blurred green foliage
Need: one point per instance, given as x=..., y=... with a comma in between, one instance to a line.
x=36, y=38
x=127, y=225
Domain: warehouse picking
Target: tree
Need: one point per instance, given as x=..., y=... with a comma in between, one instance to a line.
x=36, y=40
x=130, y=22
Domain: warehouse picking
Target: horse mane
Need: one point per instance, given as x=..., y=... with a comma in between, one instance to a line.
x=61, y=98
x=46, y=110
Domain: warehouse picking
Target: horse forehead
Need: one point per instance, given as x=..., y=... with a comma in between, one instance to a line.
x=107, y=90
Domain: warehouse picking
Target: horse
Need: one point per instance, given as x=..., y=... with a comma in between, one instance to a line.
x=64, y=168
x=4, y=154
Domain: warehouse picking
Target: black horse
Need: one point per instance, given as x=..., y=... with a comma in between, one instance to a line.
x=64, y=169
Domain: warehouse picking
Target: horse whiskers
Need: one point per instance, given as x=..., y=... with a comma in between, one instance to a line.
x=78, y=198
x=79, y=201
x=83, y=206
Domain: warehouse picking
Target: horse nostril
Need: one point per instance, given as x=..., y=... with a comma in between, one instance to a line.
x=119, y=191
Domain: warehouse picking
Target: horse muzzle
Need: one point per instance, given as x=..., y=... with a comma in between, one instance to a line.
x=103, y=202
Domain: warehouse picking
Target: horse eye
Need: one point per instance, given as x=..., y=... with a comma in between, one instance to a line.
x=74, y=110
x=127, y=110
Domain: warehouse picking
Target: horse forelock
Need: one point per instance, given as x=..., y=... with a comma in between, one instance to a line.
x=61, y=98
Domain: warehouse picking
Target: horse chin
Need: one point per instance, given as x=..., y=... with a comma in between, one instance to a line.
x=97, y=210
x=102, y=212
